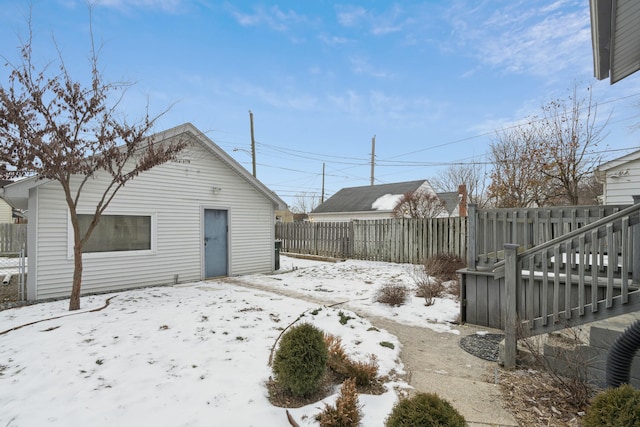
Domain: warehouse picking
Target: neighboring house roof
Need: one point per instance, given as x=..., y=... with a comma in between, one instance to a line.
x=450, y=199
x=616, y=162
x=17, y=194
x=361, y=199
x=615, y=38
x=383, y=197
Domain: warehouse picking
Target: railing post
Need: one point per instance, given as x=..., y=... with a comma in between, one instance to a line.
x=472, y=221
x=635, y=253
x=510, y=316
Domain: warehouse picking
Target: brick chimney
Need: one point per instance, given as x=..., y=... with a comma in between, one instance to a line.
x=462, y=194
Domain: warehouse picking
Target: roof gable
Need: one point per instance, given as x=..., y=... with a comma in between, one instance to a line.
x=451, y=200
x=619, y=161
x=17, y=193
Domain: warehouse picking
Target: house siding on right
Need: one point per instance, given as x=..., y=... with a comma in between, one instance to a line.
x=621, y=179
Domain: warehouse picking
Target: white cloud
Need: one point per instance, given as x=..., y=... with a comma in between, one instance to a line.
x=392, y=20
x=350, y=16
x=525, y=37
x=332, y=40
x=361, y=65
x=273, y=17
x=350, y=102
x=297, y=101
x=164, y=5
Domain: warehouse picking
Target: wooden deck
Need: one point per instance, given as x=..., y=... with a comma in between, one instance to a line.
x=565, y=267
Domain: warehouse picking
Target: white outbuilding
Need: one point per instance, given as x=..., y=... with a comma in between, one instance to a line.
x=199, y=216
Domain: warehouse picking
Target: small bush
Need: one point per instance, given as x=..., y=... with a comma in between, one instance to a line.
x=433, y=273
x=430, y=289
x=347, y=412
x=454, y=289
x=392, y=294
x=444, y=266
x=615, y=407
x=301, y=360
x=567, y=368
x=364, y=373
x=424, y=409
x=337, y=357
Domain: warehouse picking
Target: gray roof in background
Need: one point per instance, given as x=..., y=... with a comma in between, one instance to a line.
x=450, y=200
x=360, y=199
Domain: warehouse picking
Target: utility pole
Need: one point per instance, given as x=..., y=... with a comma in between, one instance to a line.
x=373, y=157
x=253, y=145
x=322, y=196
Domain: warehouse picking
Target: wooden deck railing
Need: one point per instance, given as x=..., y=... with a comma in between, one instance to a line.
x=491, y=229
x=588, y=274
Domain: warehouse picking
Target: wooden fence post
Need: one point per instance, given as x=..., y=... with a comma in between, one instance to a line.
x=635, y=248
x=509, y=309
x=471, y=235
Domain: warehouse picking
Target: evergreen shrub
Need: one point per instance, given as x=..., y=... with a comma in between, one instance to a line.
x=424, y=409
x=614, y=407
x=301, y=360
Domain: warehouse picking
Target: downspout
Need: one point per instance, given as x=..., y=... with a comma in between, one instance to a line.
x=621, y=356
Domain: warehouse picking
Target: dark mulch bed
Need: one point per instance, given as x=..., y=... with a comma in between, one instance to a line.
x=484, y=346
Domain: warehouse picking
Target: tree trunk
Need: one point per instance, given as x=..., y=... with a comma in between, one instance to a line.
x=74, y=302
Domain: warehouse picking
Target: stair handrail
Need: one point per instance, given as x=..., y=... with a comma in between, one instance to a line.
x=498, y=268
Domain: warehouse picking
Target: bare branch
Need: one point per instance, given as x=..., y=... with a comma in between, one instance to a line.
x=56, y=128
x=418, y=204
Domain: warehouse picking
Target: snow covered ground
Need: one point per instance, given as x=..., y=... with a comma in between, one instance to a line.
x=195, y=354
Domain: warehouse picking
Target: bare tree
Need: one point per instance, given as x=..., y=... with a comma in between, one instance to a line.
x=568, y=130
x=418, y=204
x=305, y=202
x=472, y=175
x=517, y=180
x=589, y=191
x=54, y=127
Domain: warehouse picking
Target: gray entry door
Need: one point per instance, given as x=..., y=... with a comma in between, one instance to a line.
x=215, y=243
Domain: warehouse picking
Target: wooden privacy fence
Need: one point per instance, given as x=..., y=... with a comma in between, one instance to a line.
x=389, y=240
x=13, y=237
x=491, y=229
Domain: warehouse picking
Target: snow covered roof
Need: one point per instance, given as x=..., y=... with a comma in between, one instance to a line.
x=369, y=197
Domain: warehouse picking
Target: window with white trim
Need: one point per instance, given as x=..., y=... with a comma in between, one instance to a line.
x=118, y=233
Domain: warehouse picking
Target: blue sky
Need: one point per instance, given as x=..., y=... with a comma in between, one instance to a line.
x=432, y=80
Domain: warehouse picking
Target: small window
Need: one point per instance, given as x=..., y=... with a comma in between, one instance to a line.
x=116, y=233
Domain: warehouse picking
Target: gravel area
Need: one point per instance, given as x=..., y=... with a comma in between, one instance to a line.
x=484, y=346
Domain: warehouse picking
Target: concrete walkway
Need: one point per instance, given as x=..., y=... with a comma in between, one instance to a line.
x=437, y=364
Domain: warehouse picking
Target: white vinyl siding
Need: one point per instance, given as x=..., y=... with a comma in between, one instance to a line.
x=175, y=193
x=349, y=216
x=622, y=182
x=6, y=213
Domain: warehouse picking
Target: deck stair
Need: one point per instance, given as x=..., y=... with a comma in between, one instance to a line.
x=587, y=269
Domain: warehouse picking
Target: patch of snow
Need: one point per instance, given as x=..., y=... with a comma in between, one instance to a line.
x=386, y=202
x=197, y=354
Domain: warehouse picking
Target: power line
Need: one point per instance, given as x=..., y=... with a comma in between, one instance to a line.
x=362, y=161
